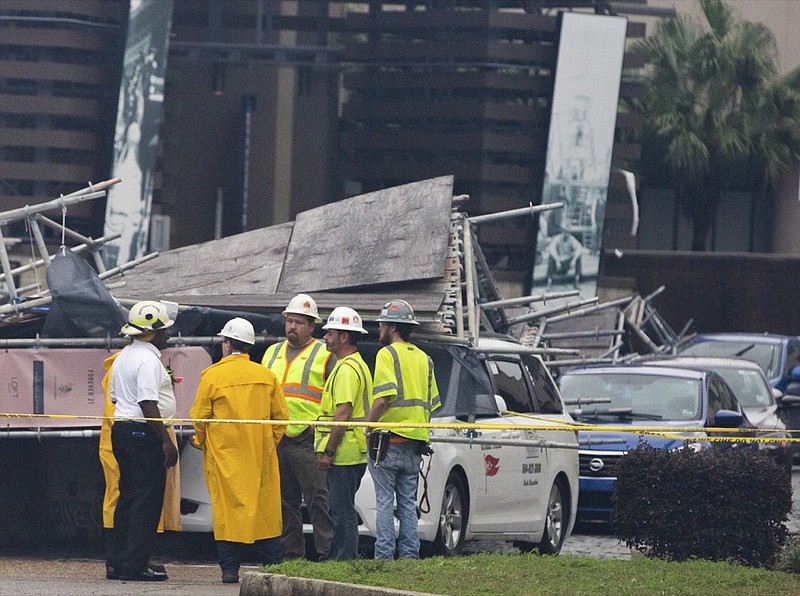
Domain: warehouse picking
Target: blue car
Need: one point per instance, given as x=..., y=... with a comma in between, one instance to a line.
x=640, y=395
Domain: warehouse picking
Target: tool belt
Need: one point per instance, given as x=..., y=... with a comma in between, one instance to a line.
x=380, y=440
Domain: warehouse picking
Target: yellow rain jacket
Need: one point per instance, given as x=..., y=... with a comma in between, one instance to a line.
x=171, y=511
x=240, y=460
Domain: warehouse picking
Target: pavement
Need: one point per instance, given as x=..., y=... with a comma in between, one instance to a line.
x=86, y=577
x=68, y=574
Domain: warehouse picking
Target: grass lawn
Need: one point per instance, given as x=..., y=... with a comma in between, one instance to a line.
x=514, y=575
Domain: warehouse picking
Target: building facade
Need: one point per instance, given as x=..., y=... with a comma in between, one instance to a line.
x=272, y=107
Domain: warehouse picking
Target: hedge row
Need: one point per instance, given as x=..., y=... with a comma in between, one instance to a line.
x=714, y=504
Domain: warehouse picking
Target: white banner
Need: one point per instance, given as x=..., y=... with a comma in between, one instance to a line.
x=579, y=147
x=141, y=95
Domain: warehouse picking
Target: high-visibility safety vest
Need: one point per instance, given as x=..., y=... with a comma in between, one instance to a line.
x=349, y=382
x=404, y=377
x=302, y=379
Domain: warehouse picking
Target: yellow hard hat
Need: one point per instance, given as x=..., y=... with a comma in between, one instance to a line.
x=147, y=316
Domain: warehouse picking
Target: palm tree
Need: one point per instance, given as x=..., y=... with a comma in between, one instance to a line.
x=717, y=107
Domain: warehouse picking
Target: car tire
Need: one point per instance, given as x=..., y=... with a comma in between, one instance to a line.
x=452, y=518
x=556, y=522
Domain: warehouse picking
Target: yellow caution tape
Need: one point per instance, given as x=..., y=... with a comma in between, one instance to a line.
x=669, y=432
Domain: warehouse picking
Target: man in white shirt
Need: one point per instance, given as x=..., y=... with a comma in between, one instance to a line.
x=142, y=392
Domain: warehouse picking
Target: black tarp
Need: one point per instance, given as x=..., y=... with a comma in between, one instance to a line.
x=81, y=305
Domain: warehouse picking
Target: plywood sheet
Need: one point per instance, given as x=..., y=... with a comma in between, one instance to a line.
x=387, y=236
x=425, y=301
x=248, y=263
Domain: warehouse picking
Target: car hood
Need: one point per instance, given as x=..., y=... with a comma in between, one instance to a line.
x=764, y=417
x=603, y=440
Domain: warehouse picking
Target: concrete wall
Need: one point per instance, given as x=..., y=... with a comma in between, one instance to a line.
x=719, y=291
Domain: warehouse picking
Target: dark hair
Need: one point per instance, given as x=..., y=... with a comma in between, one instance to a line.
x=238, y=346
x=404, y=330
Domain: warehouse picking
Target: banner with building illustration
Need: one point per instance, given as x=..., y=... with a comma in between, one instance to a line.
x=579, y=147
x=141, y=96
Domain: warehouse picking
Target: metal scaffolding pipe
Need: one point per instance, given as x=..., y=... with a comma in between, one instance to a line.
x=37, y=236
x=115, y=342
x=511, y=442
x=558, y=309
x=521, y=300
x=60, y=203
x=527, y=350
x=597, y=308
x=529, y=210
x=6, y=264
x=69, y=433
x=469, y=271
x=76, y=249
x=576, y=334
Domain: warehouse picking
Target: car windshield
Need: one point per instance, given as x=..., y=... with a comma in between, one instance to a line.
x=748, y=386
x=635, y=396
x=765, y=355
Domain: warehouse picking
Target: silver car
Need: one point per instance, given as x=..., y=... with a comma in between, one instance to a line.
x=752, y=391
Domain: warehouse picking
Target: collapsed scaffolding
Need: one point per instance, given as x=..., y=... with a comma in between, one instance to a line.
x=459, y=303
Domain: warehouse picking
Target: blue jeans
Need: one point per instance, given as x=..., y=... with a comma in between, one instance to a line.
x=343, y=482
x=396, y=476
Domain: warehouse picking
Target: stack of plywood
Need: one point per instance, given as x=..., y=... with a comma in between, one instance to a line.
x=358, y=252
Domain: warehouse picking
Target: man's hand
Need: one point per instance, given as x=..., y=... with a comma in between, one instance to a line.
x=324, y=462
x=170, y=453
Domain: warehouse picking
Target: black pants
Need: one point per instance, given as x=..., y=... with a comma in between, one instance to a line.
x=142, y=478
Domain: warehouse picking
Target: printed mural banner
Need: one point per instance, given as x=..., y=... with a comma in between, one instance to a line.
x=141, y=96
x=579, y=147
x=67, y=381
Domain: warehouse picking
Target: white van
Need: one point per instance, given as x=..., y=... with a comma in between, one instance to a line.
x=512, y=485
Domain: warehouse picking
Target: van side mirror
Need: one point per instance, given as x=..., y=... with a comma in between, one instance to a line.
x=500, y=403
x=795, y=374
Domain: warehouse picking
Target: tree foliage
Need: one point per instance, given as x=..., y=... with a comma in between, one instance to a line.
x=718, y=108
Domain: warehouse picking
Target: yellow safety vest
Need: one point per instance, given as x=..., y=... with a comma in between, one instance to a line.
x=349, y=382
x=302, y=379
x=404, y=377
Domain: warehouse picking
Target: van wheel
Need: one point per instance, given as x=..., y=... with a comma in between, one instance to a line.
x=556, y=521
x=555, y=525
x=452, y=518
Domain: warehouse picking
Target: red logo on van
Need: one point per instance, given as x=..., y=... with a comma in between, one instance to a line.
x=491, y=465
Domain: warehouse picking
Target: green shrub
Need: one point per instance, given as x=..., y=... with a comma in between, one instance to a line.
x=714, y=504
x=789, y=558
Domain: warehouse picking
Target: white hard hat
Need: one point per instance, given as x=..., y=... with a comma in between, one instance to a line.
x=303, y=304
x=345, y=319
x=147, y=316
x=239, y=329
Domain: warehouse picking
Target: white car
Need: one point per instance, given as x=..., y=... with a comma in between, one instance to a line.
x=512, y=485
